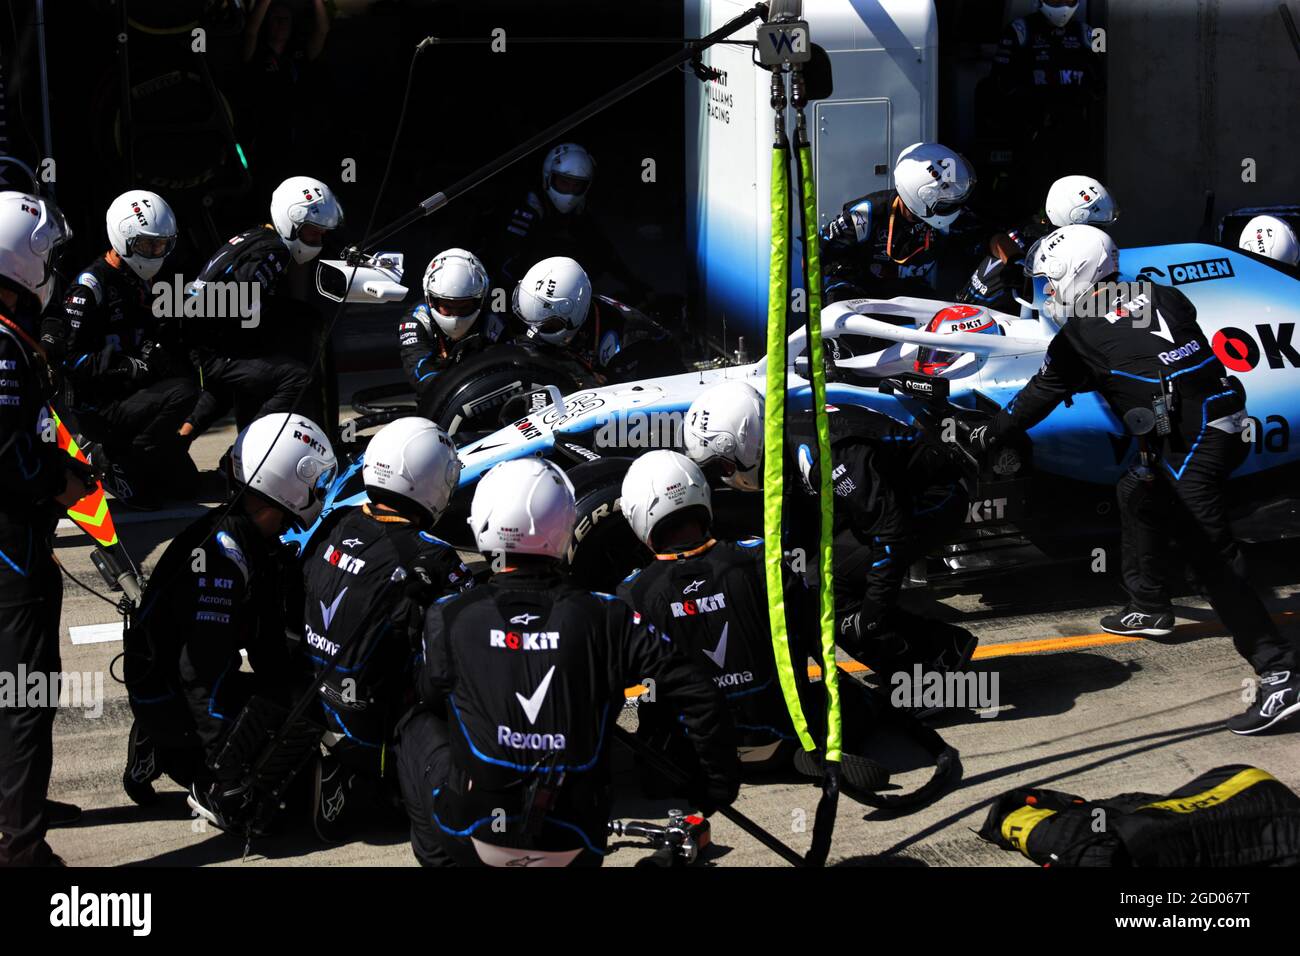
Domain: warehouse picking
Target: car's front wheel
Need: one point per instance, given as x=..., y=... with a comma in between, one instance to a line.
x=604, y=549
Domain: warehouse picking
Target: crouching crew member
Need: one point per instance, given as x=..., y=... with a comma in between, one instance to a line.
x=441, y=330
x=505, y=761
x=258, y=362
x=710, y=596
x=129, y=384
x=879, y=525
x=219, y=588
x=370, y=572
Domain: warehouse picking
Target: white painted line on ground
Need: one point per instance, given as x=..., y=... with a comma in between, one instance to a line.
x=103, y=634
x=96, y=633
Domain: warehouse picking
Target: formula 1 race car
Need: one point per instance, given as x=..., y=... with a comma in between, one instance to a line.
x=1049, y=503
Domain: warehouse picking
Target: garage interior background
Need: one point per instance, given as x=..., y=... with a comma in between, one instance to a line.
x=1195, y=88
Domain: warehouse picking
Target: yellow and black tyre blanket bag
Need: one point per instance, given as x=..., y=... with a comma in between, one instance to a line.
x=1231, y=816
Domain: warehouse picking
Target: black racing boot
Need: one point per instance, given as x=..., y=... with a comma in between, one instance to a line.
x=141, y=767
x=1276, y=699
x=949, y=647
x=1131, y=621
x=230, y=807
x=331, y=796
x=936, y=647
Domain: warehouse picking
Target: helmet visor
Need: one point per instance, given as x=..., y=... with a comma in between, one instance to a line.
x=720, y=449
x=553, y=325
x=931, y=360
x=52, y=232
x=311, y=234
x=718, y=469
x=947, y=205
x=58, y=223
x=454, y=308
x=1046, y=266
x=151, y=247
x=569, y=185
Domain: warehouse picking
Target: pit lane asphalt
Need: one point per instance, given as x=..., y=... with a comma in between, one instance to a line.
x=1088, y=716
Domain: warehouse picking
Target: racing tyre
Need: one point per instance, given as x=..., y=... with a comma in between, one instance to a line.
x=604, y=549
x=469, y=399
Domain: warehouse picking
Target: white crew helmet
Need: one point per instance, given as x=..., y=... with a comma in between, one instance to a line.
x=288, y=460
x=413, y=460
x=662, y=483
x=724, y=428
x=142, y=230
x=455, y=288
x=1072, y=260
x=934, y=183
x=567, y=172
x=303, y=210
x=553, y=299
x=31, y=229
x=524, y=506
x=1271, y=237
x=1058, y=14
x=1080, y=200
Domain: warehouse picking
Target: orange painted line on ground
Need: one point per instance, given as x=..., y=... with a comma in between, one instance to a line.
x=1029, y=646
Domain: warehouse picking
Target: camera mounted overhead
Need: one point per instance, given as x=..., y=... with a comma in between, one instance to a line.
x=362, y=278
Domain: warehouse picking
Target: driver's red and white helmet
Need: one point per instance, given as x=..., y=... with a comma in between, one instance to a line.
x=955, y=318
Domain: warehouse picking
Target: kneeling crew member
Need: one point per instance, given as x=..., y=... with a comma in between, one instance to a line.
x=410, y=473
x=505, y=762
x=128, y=389
x=440, y=331
x=877, y=525
x=259, y=363
x=555, y=303
x=220, y=588
x=711, y=597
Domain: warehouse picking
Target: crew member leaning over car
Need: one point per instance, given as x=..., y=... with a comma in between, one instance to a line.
x=911, y=240
x=1141, y=348
x=554, y=301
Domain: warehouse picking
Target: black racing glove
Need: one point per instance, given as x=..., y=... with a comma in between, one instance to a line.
x=128, y=368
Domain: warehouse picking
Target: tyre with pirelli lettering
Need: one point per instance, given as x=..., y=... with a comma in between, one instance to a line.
x=604, y=549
